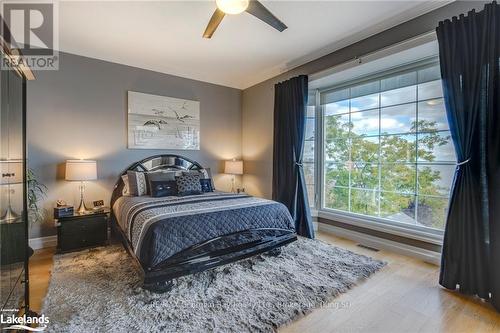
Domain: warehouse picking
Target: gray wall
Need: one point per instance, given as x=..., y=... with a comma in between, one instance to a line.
x=80, y=111
x=258, y=101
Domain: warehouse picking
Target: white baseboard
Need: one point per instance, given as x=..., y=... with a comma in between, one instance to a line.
x=385, y=244
x=43, y=242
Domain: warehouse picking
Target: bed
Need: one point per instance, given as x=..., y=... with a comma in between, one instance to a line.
x=169, y=237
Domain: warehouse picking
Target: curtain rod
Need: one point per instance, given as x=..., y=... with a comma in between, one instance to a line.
x=419, y=39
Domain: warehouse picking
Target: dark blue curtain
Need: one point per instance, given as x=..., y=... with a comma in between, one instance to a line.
x=469, y=51
x=289, y=186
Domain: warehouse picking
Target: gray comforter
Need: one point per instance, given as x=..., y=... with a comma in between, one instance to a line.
x=158, y=228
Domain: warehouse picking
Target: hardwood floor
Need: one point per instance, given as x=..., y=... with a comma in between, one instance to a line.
x=402, y=297
x=40, y=269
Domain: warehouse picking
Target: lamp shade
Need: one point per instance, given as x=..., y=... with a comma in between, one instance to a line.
x=81, y=170
x=233, y=167
x=11, y=172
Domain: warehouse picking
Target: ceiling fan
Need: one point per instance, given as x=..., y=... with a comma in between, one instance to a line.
x=233, y=7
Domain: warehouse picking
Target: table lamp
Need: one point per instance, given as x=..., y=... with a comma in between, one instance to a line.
x=81, y=170
x=11, y=173
x=233, y=167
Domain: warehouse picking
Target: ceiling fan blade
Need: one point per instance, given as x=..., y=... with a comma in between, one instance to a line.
x=262, y=13
x=214, y=23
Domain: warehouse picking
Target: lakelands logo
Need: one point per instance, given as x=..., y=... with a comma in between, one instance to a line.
x=30, y=28
x=24, y=323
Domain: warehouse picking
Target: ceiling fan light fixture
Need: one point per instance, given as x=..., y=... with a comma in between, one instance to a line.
x=232, y=7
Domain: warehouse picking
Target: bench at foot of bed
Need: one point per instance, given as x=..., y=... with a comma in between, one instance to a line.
x=216, y=252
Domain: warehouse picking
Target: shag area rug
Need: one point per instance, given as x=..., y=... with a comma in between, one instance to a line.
x=98, y=291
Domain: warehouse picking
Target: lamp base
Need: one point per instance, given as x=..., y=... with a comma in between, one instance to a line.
x=82, y=209
x=233, y=189
x=9, y=216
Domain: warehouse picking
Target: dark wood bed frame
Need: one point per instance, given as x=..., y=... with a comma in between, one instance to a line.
x=212, y=253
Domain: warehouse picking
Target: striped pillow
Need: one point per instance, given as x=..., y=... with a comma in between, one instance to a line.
x=137, y=183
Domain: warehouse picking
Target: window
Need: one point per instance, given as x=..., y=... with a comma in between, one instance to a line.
x=387, y=149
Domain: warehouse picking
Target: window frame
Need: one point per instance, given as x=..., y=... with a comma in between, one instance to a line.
x=426, y=234
x=315, y=167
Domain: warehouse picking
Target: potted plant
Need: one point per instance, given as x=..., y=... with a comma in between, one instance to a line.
x=36, y=192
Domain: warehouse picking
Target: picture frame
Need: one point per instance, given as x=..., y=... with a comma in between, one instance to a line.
x=161, y=122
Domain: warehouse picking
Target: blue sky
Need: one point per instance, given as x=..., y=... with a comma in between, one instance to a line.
x=395, y=117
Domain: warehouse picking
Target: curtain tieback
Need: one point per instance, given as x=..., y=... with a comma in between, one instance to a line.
x=300, y=165
x=464, y=162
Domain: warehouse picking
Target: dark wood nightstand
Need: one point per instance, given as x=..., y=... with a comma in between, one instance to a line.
x=77, y=232
x=12, y=240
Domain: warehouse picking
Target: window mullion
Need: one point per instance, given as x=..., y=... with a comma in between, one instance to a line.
x=349, y=140
x=379, y=159
x=416, y=155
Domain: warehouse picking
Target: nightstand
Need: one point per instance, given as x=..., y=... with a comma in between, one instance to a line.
x=12, y=239
x=80, y=231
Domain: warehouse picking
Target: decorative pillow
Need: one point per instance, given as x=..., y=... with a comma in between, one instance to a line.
x=158, y=176
x=163, y=188
x=137, y=183
x=208, y=175
x=204, y=174
x=126, y=189
x=206, y=185
x=188, y=183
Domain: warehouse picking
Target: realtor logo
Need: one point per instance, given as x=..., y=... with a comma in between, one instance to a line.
x=16, y=323
x=30, y=28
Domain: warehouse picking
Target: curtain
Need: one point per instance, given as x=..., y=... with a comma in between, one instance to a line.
x=469, y=51
x=289, y=186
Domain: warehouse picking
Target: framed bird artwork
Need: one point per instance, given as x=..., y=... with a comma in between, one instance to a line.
x=160, y=122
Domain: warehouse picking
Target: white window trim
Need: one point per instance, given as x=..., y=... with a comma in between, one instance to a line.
x=427, y=235
x=430, y=235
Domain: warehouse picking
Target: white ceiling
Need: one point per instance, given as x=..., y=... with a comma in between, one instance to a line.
x=165, y=36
